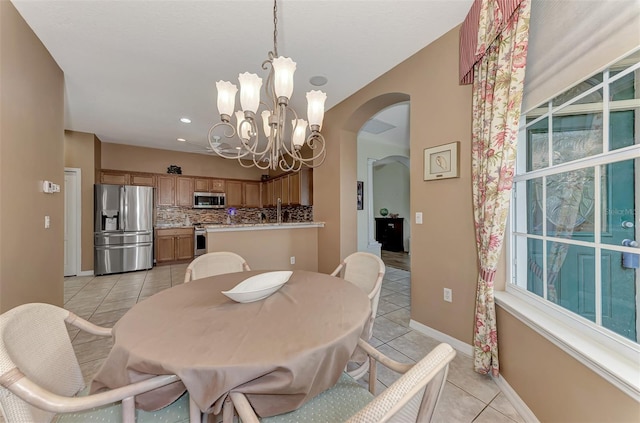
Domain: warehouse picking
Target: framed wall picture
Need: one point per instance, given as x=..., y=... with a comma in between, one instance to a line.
x=441, y=162
x=360, y=195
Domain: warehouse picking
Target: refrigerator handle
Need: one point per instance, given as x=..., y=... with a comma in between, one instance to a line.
x=123, y=210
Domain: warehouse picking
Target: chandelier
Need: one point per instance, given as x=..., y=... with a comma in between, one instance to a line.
x=279, y=142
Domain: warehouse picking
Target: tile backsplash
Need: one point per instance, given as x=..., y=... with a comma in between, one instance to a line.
x=168, y=215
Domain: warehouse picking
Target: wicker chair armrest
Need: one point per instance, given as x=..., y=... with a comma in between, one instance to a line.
x=243, y=408
x=87, y=326
x=338, y=269
x=39, y=397
x=383, y=359
x=187, y=275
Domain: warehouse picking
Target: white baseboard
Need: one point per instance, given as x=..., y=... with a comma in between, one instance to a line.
x=85, y=273
x=515, y=400
x=467, y=349
x=442, y=337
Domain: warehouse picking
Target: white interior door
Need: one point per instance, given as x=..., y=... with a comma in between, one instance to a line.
x=71, y=218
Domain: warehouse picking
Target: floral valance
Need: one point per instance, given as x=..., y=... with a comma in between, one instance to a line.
x=483, y=24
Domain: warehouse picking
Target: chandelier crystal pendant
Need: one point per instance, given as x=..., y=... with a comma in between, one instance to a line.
x=279, y=141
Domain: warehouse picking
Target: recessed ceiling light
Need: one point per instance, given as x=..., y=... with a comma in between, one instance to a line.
x=182, y=140
x=185, y=120
x=318, y=80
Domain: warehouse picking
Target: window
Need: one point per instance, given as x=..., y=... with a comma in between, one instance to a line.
x=576, y=197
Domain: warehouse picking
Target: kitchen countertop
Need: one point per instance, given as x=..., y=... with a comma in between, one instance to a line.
x=262, y=226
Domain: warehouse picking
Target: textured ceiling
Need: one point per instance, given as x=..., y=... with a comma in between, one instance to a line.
x=133, y=68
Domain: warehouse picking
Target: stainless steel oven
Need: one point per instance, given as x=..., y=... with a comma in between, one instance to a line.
x=200, y=241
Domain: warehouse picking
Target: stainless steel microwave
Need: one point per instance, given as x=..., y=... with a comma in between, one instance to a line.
x=209, y=200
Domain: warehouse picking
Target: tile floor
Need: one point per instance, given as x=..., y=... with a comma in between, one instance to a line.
x=467, y=397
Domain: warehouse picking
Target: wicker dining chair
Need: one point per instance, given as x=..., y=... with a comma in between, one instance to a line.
x=217, y=263
x=411, y=398
x=41, y=381
x=365, y=270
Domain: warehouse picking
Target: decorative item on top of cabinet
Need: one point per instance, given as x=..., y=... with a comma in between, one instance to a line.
x=174, y=244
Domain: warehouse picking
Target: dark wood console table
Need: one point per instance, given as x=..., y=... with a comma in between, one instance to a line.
x=389, y=232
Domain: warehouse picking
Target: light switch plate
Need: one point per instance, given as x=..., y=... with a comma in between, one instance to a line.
x=418, y=218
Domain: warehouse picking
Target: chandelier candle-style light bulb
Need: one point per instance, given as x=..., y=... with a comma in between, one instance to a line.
x=226, y=97
x=250, y=84
x=283, y=68
x=315, y=108
x=299, y=132
x=277, y=145
x=266, y=114
x=243, y=129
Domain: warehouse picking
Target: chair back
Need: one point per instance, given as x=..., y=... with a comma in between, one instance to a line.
x=34, y=340
x=413, y=397
x=365, y=270
x=217, y=263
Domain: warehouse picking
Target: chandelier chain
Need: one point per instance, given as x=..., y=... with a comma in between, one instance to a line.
x=275, y=28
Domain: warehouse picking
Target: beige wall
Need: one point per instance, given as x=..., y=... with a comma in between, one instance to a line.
x=556, y=387
x=31, y=150
x=443, y=250
x=79, y=152
x=270, y=249
x=141, y=159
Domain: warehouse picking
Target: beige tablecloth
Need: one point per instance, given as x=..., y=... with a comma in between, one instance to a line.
x=280, y=351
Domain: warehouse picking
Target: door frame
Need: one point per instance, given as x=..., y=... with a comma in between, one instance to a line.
x=77, y=174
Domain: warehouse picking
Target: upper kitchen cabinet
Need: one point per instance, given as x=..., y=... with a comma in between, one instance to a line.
x=301, y=187
x=114, y=177
x=166, y=192
x=209, y=185
x=251, y=194
x=184, y=191
x=121, y=177
x=243, y=194
x=142, y=179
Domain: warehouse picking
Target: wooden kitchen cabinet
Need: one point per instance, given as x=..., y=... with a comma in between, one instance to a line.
x=243, y=193
x=277, y=191
x=208, y=185
x=142, y=179
x=114, y=177
x=166, y=192
x=234, y=193
x=284, y=190
x=184, y=191
x=174, y=244
x=251, y=191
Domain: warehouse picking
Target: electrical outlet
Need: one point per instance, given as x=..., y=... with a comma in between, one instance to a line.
x=448, y=295
x=293, y=260
x=47, y=222
x=418, y=218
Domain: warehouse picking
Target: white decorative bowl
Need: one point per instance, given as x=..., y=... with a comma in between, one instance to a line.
x=258, y=287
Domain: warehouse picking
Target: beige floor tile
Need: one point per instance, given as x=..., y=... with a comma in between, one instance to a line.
x=385, y=375
x=456, y=406
x=386, y=330
x=89, y=369
x=490, y=415
x=414, y=350
x=108, y=305
x=461, y=374
x=385, y=307
x=400, y=316
x=402, y=300
x=94, y=350
x=108, y=318
x=501, y=403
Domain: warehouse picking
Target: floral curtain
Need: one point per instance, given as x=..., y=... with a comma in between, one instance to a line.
x=497, y=97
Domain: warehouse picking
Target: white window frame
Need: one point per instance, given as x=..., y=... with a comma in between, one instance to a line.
x=610, y=355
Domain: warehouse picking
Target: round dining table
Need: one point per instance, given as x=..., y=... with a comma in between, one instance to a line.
x=279, y=351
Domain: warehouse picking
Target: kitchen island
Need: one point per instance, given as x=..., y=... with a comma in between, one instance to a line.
x=271, y=246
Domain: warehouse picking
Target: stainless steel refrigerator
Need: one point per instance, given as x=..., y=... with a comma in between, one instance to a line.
x=123, y=235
